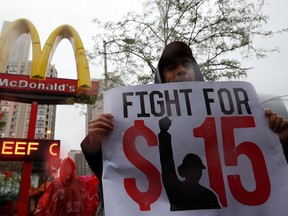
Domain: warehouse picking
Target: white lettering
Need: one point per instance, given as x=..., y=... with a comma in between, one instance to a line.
x=71, y=88
x=49, y=87
x=61, y=87
x=33, y=85
x=3, y=82
x=13, y=83
x=41, y=86
x=23, y=84
x=30, y=85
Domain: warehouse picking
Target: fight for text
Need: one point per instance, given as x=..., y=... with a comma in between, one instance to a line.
x=180, y=102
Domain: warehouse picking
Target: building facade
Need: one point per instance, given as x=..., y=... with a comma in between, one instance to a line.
x=97, y=108
x=82, y=167
x=17, y=115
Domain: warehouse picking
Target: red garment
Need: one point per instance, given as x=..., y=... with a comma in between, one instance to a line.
x=68, y=195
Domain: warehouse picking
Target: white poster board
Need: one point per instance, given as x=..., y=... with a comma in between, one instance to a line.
x=214, y=154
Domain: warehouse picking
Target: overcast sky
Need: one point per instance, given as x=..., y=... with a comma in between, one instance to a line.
x=269, y=75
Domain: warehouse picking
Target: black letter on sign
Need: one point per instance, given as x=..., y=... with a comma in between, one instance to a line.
x=143, y=113
x=244, y=101
x=159, y=102
x=126, y=103
x=223, y=109
x=186, y=92
x=208, y=100
x=169, y=102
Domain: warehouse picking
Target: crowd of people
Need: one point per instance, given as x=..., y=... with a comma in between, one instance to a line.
x=71, y=195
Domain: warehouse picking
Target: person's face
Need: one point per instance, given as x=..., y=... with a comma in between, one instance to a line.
x=65, y=171
x=178, y=70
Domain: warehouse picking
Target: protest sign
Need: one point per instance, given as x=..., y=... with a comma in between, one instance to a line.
x=192, y=148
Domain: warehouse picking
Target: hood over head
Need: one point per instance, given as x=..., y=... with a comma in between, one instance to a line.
x=172, y=50
x=67, y=170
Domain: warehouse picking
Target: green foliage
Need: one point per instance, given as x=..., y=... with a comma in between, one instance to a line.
x=9, y=185
x=82, y=99
x=10, y=179
x=11, y=166
x=2, y=123
x=220, y=33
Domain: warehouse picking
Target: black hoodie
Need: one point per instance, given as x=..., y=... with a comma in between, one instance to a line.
x=172, y=50
x=94, y=158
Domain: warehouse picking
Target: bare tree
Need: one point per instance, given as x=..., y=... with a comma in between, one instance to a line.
x=220, y=33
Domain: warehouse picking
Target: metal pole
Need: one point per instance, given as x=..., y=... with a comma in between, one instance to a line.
x=27, y=166
x=105, y=64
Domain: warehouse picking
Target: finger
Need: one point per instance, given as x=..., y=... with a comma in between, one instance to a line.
x=98, y=131
x=267, y=111
x=103, y=115
x=284, y=125
x=277, y=124
x=101, y=124
x=107, y=115
x=272, y=120
x=106, y=119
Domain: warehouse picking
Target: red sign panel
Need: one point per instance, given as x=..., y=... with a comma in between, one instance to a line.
x=21, y=88
x=14, y=149
x=51, y=85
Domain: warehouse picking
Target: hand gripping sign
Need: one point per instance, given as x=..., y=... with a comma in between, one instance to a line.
x=192, y=148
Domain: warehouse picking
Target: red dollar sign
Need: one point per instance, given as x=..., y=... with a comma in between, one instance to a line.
x=144, y=199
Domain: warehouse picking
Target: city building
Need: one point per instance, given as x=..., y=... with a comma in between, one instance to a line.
x=82, y=167
x=17, y=115
x=97, y=108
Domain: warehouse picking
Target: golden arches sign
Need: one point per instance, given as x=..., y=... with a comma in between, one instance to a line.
x=42, y=59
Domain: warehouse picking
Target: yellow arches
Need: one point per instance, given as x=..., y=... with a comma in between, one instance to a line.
x=41, y=59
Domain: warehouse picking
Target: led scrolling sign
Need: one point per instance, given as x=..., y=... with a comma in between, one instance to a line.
x=12, y=149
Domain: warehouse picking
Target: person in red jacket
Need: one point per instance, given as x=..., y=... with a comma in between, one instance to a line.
x=66, y=195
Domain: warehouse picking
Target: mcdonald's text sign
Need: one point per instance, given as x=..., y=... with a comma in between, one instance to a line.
x=51, y=90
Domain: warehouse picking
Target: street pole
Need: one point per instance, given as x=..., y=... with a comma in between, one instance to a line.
x=105, y=64
x=27, y=165
x=127, y=41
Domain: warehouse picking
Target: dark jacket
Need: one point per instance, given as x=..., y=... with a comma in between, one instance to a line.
x=94, y=158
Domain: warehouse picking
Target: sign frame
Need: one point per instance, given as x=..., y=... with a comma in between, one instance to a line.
x=18, y=149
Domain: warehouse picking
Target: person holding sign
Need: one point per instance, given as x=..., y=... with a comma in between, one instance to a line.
x=176, y=64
